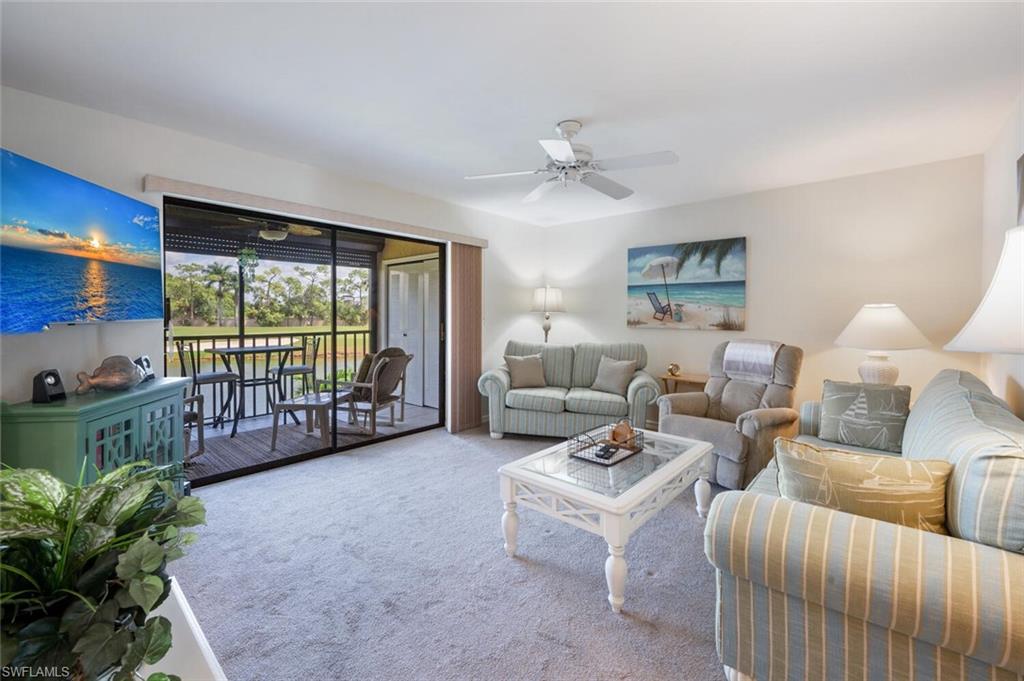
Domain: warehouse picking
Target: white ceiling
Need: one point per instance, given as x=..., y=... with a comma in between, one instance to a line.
x=751, y=96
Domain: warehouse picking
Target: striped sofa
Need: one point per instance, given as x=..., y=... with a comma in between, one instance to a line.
x=805, y=592
x=567, y=405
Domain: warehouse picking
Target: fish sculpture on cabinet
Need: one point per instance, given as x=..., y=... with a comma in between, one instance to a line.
x=114, y=373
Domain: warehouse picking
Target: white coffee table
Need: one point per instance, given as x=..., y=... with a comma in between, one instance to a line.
x=611, y=502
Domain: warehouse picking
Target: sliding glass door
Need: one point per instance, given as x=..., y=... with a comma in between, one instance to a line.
x=272, y=318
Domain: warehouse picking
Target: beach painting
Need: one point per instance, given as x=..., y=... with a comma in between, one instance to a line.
x=690, y=285
x=72, y=251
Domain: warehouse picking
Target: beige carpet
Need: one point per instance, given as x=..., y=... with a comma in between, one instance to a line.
x=387, y=563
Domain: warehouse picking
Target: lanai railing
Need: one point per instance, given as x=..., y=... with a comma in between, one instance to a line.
x=349, y=348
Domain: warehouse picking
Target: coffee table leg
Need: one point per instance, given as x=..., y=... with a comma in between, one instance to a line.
x=702, y=490
x=510, y=527
x=615, y=570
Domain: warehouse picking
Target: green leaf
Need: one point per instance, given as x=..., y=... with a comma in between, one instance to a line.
x=37, y=637
x=189, y=538
x=31, y=487
x=100, y=647
x=160, y=676
x=89, y=537
x=125, y=503
x=190, y=512
x=93, y=580
x=146, y=591
x=144, y=556
x=21, y=573
x=152, y=642
x=170, y=533
x=76, y=619
x=28, y=523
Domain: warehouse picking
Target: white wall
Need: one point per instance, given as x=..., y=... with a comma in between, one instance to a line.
x=117, y=152
x=816, y=253
x=1004, y=373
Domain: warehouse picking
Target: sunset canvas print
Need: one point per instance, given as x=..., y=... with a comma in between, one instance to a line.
x=72, y=251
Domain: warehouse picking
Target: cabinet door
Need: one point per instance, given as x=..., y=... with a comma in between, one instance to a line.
x=111, y=441
x=161, y=431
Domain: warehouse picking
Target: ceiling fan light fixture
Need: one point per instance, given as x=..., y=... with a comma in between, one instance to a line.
x=271, y=234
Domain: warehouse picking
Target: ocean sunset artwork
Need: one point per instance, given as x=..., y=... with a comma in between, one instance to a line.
x=698, y=285
x=72, y=251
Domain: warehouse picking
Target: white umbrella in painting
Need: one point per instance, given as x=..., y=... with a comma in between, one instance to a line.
x=662, y=268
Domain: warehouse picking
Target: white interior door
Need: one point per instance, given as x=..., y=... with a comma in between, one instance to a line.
x=407, y=291
x=432, y=335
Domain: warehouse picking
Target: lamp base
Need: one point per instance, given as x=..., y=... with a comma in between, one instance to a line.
x=876, y=368
x=546, y=325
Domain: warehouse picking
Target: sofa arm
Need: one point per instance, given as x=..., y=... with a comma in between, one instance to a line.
x=775, y=421
x=642, y=391
x=810, y=418
x=949, y=592
x=688, y=404
x=494, y=384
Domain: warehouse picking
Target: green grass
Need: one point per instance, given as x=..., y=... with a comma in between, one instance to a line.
x=208, y=331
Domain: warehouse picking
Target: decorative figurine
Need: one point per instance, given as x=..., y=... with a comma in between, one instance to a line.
x=673, y=369
x=114, y=373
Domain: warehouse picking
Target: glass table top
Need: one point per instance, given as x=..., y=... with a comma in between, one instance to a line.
x=610, y=481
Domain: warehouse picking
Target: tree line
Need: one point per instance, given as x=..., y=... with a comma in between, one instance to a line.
x=207, y=295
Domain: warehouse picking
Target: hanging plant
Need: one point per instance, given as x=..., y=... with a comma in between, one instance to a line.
x=248, y=260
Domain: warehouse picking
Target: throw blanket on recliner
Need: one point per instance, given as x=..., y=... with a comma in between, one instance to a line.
x=750, y=360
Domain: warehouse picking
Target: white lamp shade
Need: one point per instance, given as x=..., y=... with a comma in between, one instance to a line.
x=998, y=323
x=881, y=326
x=547, y=299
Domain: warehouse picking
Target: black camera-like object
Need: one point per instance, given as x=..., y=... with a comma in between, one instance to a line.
x=47, y=387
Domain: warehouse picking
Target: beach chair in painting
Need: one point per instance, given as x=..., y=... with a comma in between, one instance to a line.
x=660, y=311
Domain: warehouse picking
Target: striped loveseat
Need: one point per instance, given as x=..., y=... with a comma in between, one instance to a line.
x=567, y=405
x=805, y=592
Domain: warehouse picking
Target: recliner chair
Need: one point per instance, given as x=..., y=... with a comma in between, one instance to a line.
x=741, y=418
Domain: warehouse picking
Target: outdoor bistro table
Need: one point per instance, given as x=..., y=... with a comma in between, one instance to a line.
x=239, y=355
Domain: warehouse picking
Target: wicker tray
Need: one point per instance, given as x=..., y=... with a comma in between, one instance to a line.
x=584, y=446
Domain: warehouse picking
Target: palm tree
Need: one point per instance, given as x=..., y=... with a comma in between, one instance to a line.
x=717, y=249
x=189, y=272
x=223, y=277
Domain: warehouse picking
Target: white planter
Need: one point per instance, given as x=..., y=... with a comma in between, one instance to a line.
x=190, y=656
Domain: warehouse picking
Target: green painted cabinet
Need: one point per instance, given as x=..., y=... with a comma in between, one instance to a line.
x=106, y=429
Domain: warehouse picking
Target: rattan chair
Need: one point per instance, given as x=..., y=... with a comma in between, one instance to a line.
x=306, y=369
x=382, y=387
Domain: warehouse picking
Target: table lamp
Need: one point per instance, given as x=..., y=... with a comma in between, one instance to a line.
x=998, y=323
x=547, y=300
x=880, y=328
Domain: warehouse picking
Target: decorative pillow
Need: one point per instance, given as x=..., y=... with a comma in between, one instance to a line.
x=613, y=376
x=526, y=371
x=864, y=414
x=911, y=493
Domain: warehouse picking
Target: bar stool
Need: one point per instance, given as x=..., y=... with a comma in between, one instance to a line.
x=306, y=369
x=190, y=368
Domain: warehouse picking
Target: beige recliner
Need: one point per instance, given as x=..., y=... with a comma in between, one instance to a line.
x=740, y=416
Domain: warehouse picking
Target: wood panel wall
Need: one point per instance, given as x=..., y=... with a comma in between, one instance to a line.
x=465, y=336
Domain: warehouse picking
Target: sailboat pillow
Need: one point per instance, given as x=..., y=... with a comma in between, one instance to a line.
x=868, y=415
x=889, y=488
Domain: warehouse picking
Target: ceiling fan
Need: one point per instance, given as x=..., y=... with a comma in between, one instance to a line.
x=572, y=162
x=270, y=230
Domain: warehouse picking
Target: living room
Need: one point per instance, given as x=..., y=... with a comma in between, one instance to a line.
x=731, y=205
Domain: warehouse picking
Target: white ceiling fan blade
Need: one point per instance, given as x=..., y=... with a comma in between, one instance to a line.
x=560, y=151
x=488, y=176
x=658, y=158
x=605, y=186
x=541, y=189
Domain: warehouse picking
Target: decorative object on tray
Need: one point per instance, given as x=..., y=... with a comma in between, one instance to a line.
x=114, y=373
x=607, y=445
x=673, y=369
x=47, y=387
x=703, y=284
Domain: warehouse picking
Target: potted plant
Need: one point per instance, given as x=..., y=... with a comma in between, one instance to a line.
x=82, y=567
